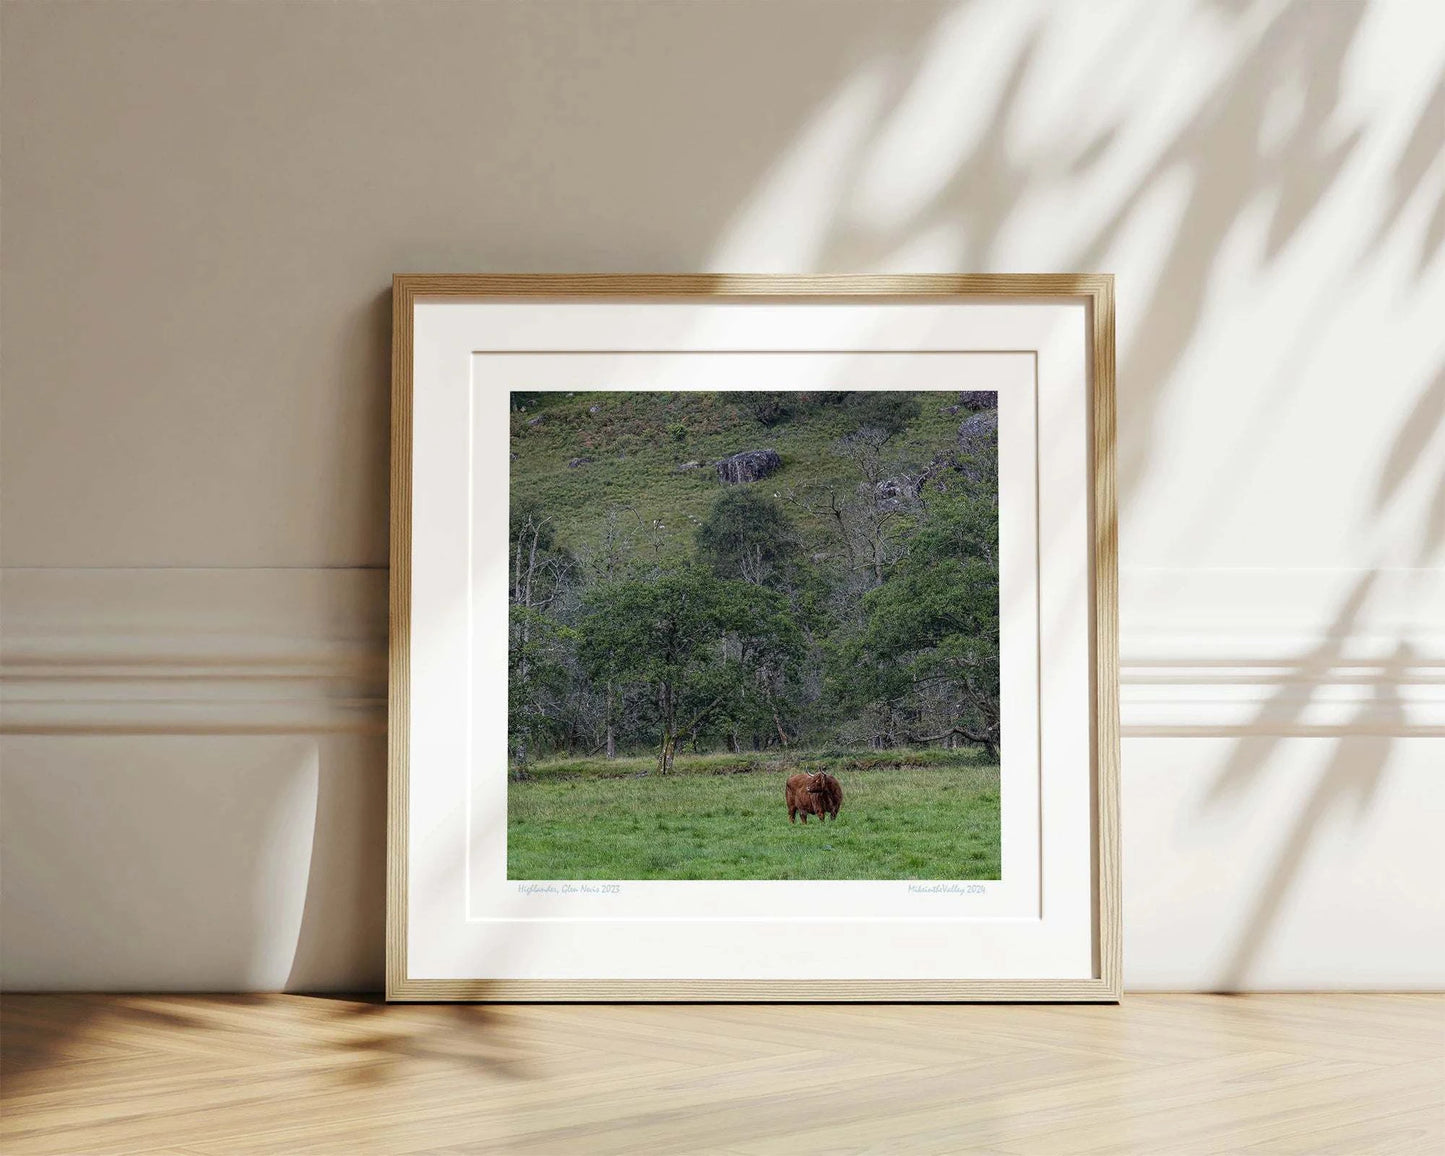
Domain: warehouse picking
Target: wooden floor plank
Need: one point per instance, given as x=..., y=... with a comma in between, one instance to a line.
x=1162, y=1075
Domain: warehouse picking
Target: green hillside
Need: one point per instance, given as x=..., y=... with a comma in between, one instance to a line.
x=839, y=586
x=638, y=441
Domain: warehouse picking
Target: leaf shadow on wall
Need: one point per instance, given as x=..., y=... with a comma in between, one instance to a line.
x=1271, y=131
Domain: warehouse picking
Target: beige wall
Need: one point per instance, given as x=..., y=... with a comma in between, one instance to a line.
x=203, y=205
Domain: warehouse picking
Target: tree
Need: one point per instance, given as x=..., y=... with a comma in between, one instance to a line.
x=862, y=519
x=768, y=407
x=536, y=682
x=936, y=620
x=540, y=568
x=889, y=411
x=938, y=626
x=536, y=642
x=659, y=633
x=757, y=672
x=696, y=642
x=748, y=537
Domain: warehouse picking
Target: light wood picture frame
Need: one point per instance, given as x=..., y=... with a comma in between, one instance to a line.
x=416, y=971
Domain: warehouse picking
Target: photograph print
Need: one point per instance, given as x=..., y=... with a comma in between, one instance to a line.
x=753, y=636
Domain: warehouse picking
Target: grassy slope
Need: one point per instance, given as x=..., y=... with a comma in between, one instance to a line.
x=637, y=439
x=935, y=816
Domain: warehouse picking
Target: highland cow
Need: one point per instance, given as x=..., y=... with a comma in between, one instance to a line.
x=816, y=794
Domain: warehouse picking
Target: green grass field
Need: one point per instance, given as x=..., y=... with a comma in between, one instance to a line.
x=906, y=815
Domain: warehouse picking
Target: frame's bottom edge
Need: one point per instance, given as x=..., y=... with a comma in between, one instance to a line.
x=1095, y=991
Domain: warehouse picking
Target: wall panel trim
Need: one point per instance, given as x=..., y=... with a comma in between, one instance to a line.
x=1205, y=652
x=134, y=651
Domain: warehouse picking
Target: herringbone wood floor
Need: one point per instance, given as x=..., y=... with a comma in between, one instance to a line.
x=294, y=1074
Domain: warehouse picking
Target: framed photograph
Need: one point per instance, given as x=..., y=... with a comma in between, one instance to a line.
x=753, y=638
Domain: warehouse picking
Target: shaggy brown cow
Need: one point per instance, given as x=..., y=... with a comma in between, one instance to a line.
x=816, y=794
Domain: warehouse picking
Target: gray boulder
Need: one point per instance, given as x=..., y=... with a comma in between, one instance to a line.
x=974, y=400
x=978, y=445
x=575, y=462
x=683, y=467
x=748, y=466
x=978, y=431
x=895, y=493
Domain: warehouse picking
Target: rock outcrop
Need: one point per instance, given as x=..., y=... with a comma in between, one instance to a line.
x=748, y=466
x=974, y=400
x=978, y=431
x=895, y=493
x=978, y=445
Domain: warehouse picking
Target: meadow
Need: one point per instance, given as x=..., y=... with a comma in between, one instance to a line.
x=923, y=814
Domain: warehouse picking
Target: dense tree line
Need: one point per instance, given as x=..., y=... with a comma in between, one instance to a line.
x=860, y=611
